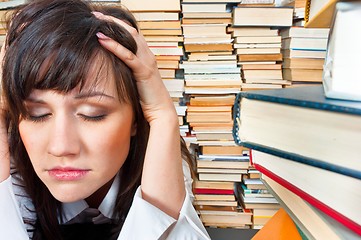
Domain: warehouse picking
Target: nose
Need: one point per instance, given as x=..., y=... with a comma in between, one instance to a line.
x=63, y=137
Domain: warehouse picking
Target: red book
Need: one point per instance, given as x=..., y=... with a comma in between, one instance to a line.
x=213, y=191
x=310, y=199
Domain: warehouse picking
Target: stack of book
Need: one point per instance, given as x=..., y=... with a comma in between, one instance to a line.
x=159, y=22
x=219, y=167
x=258, y=44
x=299, y=139
x=304, y=52
x=222, y=167
x=212, y=77
x=211, y=67
x=210, y=119
x=215, y=203
x=253, y=195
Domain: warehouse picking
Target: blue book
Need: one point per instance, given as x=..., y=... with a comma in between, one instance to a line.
x=301, y=125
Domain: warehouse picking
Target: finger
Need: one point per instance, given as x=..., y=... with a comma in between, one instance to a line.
x=109, y=18
x=142, y=44
x=120, y=51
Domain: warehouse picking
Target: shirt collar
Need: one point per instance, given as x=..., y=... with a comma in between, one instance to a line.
x=106, y=207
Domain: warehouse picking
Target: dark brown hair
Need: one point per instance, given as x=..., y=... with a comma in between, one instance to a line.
x=62, y=34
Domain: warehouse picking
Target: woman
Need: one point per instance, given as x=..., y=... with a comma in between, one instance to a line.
x=93, y=133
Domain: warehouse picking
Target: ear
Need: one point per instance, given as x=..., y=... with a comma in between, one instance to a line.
x=134, y=129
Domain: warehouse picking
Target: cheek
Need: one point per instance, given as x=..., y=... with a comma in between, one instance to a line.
x=112, y=144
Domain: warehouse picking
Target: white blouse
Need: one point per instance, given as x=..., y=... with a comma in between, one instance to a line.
x=144, y=221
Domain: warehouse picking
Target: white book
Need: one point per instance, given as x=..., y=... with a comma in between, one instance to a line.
x=341, y=75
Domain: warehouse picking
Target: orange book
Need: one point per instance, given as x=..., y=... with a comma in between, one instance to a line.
x=279, y=227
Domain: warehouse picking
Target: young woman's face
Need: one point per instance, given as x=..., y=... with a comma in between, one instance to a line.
x=78, y=141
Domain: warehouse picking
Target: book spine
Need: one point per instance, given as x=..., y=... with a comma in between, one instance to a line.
x=313, y=201
x=213, y=191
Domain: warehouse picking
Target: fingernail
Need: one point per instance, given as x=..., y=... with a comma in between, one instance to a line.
x=98, y=14
x=101, y=36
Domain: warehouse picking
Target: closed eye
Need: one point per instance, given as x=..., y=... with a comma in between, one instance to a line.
x=38, y=118
x=94, y=118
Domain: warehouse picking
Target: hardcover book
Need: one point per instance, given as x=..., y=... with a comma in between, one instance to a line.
x=334, y=194
x=313, y=222
x=303, y=125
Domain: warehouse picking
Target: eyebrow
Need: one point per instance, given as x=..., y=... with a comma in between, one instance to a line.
x=81, y=95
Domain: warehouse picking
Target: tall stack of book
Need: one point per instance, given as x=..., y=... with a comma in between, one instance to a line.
x=219, y=160
x=159, y=22
x=304, y=51
x=299, y=140
x=210, y=67
x=258, y=44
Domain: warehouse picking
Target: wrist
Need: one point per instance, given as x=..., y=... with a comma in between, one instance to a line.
x=165, y=119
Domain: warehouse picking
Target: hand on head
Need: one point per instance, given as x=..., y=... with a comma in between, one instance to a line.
x=159, y=111
x=154, y=97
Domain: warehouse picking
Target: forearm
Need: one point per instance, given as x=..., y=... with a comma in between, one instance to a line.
x=162, y=181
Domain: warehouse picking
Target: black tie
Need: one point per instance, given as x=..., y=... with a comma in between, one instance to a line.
x=90, y=224
x=90, y=215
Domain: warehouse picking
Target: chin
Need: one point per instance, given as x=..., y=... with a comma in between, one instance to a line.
x=69, y=194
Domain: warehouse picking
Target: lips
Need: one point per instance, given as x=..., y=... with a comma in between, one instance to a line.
x=68, y=174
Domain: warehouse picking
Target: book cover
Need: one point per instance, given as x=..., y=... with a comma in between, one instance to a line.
x=279, y=227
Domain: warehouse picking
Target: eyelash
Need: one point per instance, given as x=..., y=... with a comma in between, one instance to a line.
x=38, y=119
x=93, y=118
x=42, y=118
